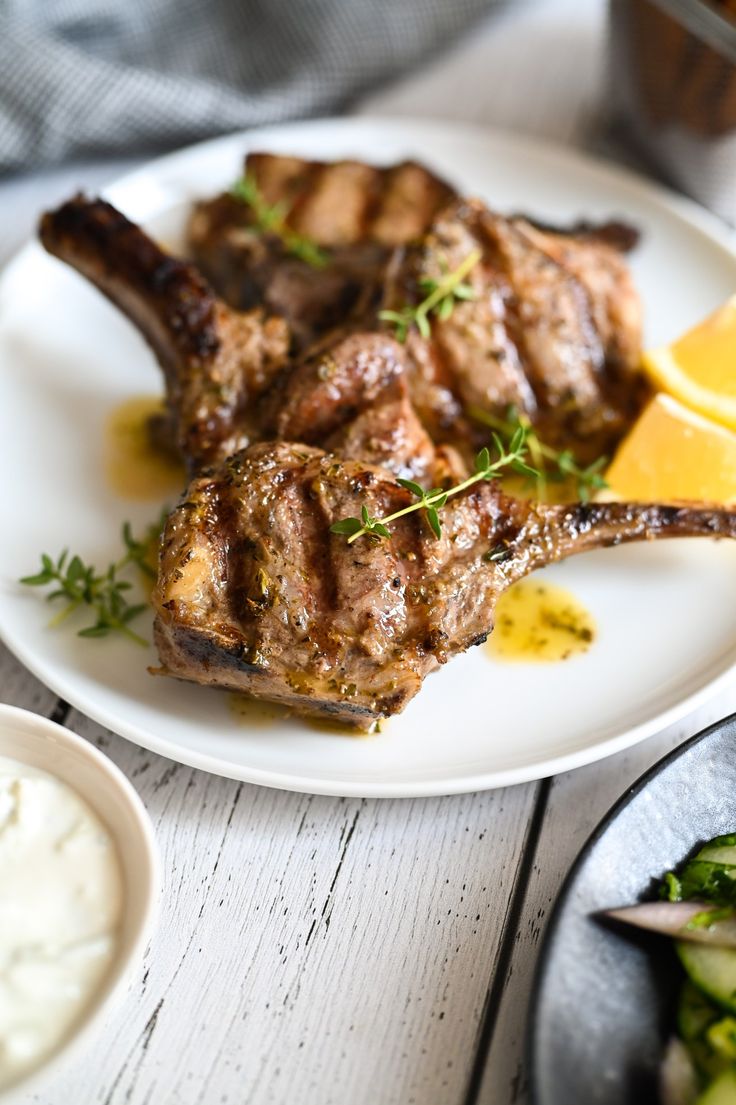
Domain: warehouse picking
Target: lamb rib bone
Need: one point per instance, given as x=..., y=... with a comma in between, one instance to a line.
x=215, y=360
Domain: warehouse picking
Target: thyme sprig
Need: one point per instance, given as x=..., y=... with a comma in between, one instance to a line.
x=104, y=593
x=551, y=464
x=442, y=296
x=511, y=456
x=271, y=219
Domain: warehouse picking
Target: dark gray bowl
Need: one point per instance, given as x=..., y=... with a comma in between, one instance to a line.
x=603, y=1001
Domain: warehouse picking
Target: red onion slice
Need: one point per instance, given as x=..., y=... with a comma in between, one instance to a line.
x=678, y=1083
x=673, y=918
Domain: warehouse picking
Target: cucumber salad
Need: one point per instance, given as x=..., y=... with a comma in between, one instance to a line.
x=697, y=909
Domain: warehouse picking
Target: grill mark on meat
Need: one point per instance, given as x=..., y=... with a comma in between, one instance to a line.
x=375, y=191
x=318, y=554
x=294, y=199
x=481, y=351
x=529, y=397
x=281, y=179
x=333, y=210
x=567, y=325
x=297, y=554
x=409, y=200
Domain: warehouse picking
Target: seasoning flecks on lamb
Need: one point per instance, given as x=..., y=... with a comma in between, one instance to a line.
x=553, y=329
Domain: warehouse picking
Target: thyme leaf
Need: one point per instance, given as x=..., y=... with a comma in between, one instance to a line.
x=102, y=593
x=550, y=464
x=271, y=219
x=440, y=300
x=431, y=502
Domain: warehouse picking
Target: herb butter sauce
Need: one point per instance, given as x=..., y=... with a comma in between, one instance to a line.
x=60, y=903
x=538, y=621
x=136, y=467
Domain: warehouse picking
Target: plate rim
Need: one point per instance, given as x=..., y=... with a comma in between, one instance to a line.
x=681, y=208
x=567, y=887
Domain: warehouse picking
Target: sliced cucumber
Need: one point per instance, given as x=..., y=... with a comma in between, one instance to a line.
x=700, y=869
x=695, y=1012
x=696, y=1015
x=721, y=1038
x=707, y=1062
x=713, y=970
x=678, y=1078
x=720, y=1092
x=722, y=849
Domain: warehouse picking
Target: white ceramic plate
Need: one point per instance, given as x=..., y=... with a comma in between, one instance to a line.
x=666, y=612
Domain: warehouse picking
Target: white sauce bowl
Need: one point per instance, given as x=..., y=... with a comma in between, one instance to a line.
x=43, y=744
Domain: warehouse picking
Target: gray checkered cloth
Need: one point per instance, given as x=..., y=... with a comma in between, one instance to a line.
x=90, y=77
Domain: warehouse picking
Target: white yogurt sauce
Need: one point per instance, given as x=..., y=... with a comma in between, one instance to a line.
x=60, y=903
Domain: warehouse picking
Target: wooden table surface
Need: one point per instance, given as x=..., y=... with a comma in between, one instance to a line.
x=317, y=950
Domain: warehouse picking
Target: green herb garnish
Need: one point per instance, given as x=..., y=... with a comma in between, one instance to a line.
x=442, y=296
x=103, y=593
x=271, y=219
x=704, y=881
x=432, y=501
x=551, y=464
x=708, y=917
x=671, y=888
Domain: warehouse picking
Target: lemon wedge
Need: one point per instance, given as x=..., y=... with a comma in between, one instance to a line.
x=673, y=453
x=699, y=368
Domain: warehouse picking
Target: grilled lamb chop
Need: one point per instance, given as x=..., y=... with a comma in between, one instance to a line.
x=558, y=346
x=553, y=329
x=355, y=212
x=228, y=378
x=255, y=594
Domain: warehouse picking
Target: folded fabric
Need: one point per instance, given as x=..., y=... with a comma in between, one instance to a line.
x=88, y=77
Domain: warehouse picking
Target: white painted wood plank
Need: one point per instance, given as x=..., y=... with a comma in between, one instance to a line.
x=577, y=802
x=19, y=688
x=341, y=946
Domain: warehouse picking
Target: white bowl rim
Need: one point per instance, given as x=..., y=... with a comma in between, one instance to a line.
x=150, y=874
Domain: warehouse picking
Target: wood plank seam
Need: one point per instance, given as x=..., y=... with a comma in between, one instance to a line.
x=498, y=979
x=60, y=712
